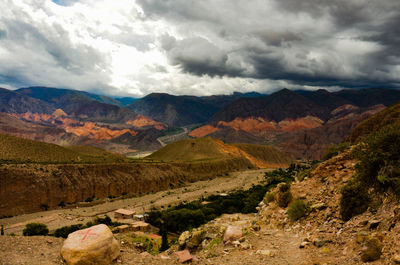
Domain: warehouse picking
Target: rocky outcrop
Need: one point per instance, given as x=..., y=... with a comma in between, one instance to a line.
x=31, y=188
x=93, y=245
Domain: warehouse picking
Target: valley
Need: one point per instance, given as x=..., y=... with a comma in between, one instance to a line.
x=140, y=204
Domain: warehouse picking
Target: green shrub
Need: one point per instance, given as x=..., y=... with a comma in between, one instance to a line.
x=297, y=209
x=284, y=199
x=35, y=229
x=379, y=157
x=269, y=197
x=66, y=230
x=283, y=187
x=334, y=150
x=354, y=199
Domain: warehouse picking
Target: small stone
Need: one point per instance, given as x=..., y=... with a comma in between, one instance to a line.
x=396, y=259
x=266, y=252
x=233, y=233
x=372, y=250
x=318, y=206
x=245, y=245
x=183, y=256
x=304, y=244
x=374, y=224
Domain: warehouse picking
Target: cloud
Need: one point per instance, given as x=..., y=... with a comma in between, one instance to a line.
x=204, y=47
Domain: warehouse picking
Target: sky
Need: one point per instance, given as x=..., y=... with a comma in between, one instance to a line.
x=193, y=47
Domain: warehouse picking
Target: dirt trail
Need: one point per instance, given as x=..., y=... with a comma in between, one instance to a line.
x=62, y=217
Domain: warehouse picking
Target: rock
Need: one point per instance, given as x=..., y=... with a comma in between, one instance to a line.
x=245, y=245
x=396, y=259
x=304, y=244
x=94, y=245
x=183, y=256
x=374, y=224
x=320, y=242
x=318, y=206
x=233, y=233
x=372, y=250
x=266, y=252
x=195, y=239
x=183, y=238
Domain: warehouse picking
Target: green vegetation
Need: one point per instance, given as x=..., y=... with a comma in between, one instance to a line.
x=284, y=196
x=388, y=116
x=35, y=229
x=19, y=150
x=186, y=216
x=334, y=150
x=2, y=230
x=378, y=168
x=66, y=230
x=145, y=243
x=297, y=210
x=354, y=199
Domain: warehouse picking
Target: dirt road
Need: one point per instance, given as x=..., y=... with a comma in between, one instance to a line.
x=62, y=217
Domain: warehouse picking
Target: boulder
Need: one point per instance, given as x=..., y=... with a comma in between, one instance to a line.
x=183, y=238
x=233, y=233
x=94, y=245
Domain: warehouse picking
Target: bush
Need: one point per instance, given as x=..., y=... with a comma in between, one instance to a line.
x=66, y=230
x=297, y=209
x=269, y=197
x=379, y=157
x=334, y=150
x=35, y=229
x=354, y=199
x=284, y=199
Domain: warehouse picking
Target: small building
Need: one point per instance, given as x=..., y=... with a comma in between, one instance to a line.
x=140, y=217
x=123, y=214
x=140, y=226
x=123, y=228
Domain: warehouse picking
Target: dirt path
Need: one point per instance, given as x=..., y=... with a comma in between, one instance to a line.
x=62, y=217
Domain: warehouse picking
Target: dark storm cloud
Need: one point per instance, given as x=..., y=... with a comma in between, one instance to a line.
x=310, y=42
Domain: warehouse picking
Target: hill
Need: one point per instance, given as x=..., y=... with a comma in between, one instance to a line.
x=58, y=96
x=81, y=104
x=13, y=102
x=18, y=150
x=192, y=150
x=385, y=117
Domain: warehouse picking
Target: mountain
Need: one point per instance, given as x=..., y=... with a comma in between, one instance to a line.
x=58, y=97
x=383, y=118
x=179, y=111
x=311, y=144
x=81, y=104
x=278, y=106
x=14, y=102
x=204, y=149
x=302, y=123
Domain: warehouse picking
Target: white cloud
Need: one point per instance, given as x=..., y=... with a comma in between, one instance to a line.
x=197, y=47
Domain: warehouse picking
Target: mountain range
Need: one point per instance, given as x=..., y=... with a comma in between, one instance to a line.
x=300, y=123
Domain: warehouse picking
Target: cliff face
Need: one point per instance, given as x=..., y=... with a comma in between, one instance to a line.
x=31, y=188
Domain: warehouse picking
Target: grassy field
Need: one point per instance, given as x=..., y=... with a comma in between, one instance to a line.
x=19, y=150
